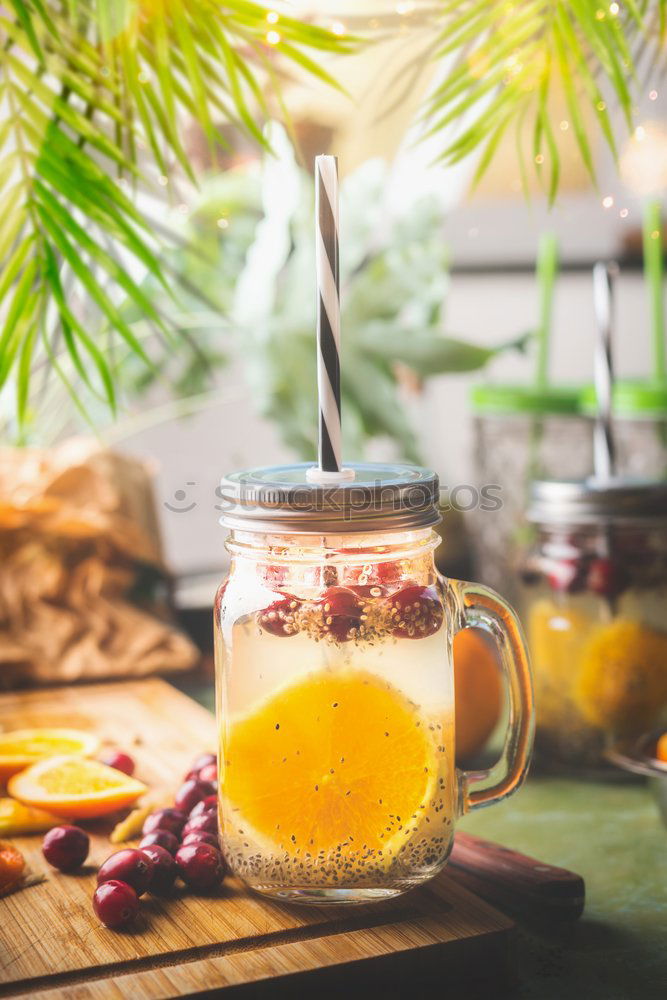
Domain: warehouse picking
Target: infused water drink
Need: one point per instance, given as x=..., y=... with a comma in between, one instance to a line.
x=336, y=706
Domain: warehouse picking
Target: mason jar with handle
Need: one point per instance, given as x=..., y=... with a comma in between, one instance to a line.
x=335, y=686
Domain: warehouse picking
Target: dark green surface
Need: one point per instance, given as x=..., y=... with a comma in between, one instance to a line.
x=610, y=834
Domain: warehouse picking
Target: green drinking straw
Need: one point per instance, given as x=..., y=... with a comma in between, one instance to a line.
x=653, y=271
x=547, y=262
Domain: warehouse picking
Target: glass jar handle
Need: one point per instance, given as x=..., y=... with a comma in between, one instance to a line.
x=480, y=607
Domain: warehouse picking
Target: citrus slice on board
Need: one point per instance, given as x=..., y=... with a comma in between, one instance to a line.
x=22, y=747
x=17, y=819
x=75, y=787
x=338, y=762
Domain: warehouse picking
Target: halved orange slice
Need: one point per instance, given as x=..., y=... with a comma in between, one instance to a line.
x=75, y=787
x=22, y=747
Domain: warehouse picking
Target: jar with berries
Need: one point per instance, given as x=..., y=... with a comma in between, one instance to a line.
x=595, y=605
x=335, y=686
x=521, y=433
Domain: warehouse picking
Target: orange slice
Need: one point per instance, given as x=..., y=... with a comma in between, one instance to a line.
x=23, y=747
x=75, y=787
x=339, y=762
x=661, y=748
x=17, y=819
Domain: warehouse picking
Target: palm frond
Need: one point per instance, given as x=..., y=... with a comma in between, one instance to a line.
x=514, y=59
x=95, y=94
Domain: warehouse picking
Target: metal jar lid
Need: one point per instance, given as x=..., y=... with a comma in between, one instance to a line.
x=380, y=497
x=591, y=501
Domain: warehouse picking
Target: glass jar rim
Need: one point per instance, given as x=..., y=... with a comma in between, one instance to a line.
x=282, y=499
x=591, y=501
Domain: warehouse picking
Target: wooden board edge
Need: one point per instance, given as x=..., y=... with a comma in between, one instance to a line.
x=303, y=965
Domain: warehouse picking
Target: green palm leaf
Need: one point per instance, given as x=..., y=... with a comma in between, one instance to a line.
x=513, y=59
x=96, y=94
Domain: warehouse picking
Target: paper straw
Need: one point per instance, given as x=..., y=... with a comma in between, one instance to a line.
x=547, y=262
x=603, y=440
x=328, y=312
x=653, y=250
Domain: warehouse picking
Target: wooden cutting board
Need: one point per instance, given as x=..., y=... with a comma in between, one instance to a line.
x=51, y=944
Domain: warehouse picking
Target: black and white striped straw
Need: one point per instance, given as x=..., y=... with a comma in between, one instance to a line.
x=328, y=313
x=604, y=454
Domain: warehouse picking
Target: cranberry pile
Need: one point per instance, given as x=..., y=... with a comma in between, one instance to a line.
x=177, y=843
x=359, y=612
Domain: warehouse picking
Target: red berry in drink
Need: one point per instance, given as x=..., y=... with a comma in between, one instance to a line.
x=200, y=837
x=368, y=591
x=566, y=576
x=115, y=903
x=209, y=773
x=389, y=573
x=200, y=865
x=209, y=804
x=191, y=792
x=164, y=872
x=160, y=838
x=129, y=865
x=66, y=847
x=280, y=618
x=605, y=578
x=172, y=820
x=415, y=612
x=341, y=611
x=206, y=821
x=118, y=760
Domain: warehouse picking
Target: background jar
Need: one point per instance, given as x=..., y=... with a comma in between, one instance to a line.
x=520, y=434
x=640, y=428
x=594, y=602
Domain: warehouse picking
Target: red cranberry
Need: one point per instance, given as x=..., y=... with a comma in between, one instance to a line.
x=129, y=865
x=201, y=761
x=165, y=870
x=209, y=773
x=341, y=612
x=389, y=573
x=565, y=576
x=160, y=838
x=192, y=792
x=416, y=612
x=367, y=591
x=279, y=618
x=172, y=820
x=605, y=578
x=66, y=847
x=115, y=903
x=209, y=804
x=200, y=865
x=118, y=760
x=200, y=837
x=206, y=821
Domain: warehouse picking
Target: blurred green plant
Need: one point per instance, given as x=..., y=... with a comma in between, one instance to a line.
x=504, y=62
x=94, y=96
x=257, y=271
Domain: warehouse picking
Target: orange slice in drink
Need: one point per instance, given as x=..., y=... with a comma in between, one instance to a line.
x=22, y=747
x=338, y=762
x=75, y=787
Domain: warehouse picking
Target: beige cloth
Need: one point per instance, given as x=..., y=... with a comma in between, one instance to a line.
x=83, y=586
